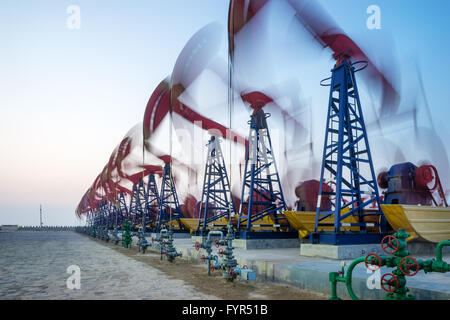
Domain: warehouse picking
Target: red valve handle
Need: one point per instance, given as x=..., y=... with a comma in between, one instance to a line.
x=211, y=267
x=411, y=265
x=197, y=245
x=390, y=242
x=391, y=284
x=221, y=252
x=217, y=243
x=231, y=272
x=370, y=264
x=203, y=258
x=245, y=266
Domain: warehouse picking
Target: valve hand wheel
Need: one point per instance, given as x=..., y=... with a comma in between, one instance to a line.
x=231, y=272
x=221, y=252
x=245, y=266
x=197, y=245
x=409, y=266
x=203, y=258
x=372, y=264
x=217, y=241
x=389, y=282
x=211, y=267
x=390, y=244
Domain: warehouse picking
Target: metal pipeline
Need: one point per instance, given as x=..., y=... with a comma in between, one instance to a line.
x=439, y=248
x=336, y=277
x=220, y=233
x=348, y=279
x=405, y=266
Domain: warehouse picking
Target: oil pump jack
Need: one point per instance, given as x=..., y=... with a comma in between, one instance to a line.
x=262, y=200
x=347, y=162
x=169, y=206
x=216, y=202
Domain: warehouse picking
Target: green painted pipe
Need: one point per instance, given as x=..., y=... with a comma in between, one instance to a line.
x=348, y=278
x=437, y=265
x=439, y=249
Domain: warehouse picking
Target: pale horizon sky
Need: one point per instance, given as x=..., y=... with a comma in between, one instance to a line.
x=67, y=97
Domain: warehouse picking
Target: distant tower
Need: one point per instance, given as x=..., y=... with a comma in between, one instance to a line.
x=40, y=215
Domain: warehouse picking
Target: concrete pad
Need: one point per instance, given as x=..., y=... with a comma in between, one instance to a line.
x=424, y=248
x=339, y=252
x=176, y=235
x=251, y=244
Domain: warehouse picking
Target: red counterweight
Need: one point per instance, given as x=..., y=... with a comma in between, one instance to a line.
x=307, y=193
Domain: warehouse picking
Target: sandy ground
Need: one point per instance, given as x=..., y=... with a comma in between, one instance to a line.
x=196, y=275
x=33, y=265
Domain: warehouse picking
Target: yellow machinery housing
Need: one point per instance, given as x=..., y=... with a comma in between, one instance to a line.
x=304, y=221
x=421, y=222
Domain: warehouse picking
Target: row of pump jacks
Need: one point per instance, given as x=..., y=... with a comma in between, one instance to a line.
x=346, y=151
x=152, y=210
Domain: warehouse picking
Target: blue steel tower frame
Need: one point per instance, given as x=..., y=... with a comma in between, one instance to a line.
x=347, y=162
x=103, y=214
x=169, y=206
x=152, y=200
x=261, y=182
x=123, y=209
x=111, y=215
x=216, y=195
x=137, y=198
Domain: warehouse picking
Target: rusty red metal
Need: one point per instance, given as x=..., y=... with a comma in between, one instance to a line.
x=307, y=193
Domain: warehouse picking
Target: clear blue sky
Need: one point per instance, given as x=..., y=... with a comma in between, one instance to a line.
x=67, y=97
